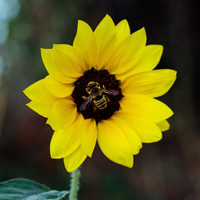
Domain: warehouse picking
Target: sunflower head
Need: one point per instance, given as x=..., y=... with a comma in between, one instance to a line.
x=102, y=88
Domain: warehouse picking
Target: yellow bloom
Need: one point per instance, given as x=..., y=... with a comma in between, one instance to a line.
x=102, y=89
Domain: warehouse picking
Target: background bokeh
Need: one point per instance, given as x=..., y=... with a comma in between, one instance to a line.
x=167, y=170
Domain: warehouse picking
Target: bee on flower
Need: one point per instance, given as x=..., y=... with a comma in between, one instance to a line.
x=102, y=89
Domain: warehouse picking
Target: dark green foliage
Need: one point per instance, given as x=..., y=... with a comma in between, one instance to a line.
x=20, y=188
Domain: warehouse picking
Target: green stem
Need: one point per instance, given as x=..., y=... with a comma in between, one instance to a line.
x=74, y=184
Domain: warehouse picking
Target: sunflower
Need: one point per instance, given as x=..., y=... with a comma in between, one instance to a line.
x=102, y=88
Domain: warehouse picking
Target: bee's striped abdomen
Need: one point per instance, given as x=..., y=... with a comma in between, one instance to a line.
x=101, y=103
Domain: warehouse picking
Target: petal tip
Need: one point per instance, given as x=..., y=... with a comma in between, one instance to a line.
x=28, y=104
x=130, y=163
x=25, y=91
x=108, y=18
x=160, y=48
x=143, y=30
x=53, y=154
x=107, y=15
x=89, y=154
x=80, y=23
x=42, y=50
x=175, y=73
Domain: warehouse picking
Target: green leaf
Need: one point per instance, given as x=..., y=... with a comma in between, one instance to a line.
x=24, y=189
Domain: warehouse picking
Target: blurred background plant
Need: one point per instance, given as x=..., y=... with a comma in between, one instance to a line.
x=166, y=170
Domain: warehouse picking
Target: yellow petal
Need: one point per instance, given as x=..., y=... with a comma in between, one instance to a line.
x=105, y=36
x=164, y=125
x=40, y=109
x=38, y=93
x=92, y=53
x=154, y=83
x=62, y=114
x=34, y=90
x=67, y=61
x=123, y=31
x=83, y=41
x=46, y=98
x=74, y=160
x=88, y=135
x=126, y=54
x=147, y=130
x=64, y=142
x=146, y=106
x=114, y=143
x=147, y=62
x=49, y=63
x=58, y=89
x=133, y=139
x=149, y=59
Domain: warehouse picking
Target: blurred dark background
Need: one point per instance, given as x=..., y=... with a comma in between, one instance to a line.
x=167, y=170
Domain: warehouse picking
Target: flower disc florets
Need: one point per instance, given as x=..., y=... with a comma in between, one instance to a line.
x=107, y=81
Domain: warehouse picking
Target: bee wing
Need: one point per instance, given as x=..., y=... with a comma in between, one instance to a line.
x=86, y=103
x=110, y=92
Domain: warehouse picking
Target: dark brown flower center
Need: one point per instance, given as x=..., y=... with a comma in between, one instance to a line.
x=97, y=94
